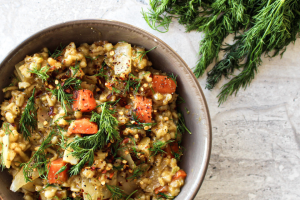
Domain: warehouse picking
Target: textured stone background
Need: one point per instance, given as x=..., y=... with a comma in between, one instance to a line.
x=256, y=137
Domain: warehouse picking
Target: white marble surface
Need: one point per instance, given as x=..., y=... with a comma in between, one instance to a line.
x=256, y=136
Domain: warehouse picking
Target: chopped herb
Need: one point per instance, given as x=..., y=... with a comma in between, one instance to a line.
x=115, y=90
x=138, y=125
x=134, y=146
x=28, y=121
x=141, y=54
x=6, y=128
x=102, y=71
x=59, y=91
x=158, y=146
x=116, y=192
x=132, y=83
x=173, y=77
x=63, y=168
x=41, y=73
x=178, y=154
x=163, y=195
x=137, y=172
x=131, y=195
x=38, y=161
x=46, y=186
x=181, y=127
x=180, y=100
x=57, y=52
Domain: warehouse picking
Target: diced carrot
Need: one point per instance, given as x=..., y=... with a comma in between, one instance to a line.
x=108, y=85
x=163, y=84
x=128, y=106
x=172, y=148
x=179, y=174
x=161, y=189
x=111, y=175
x=143, y=107
x=84, y=100
x=83, y=126
x=54, y=167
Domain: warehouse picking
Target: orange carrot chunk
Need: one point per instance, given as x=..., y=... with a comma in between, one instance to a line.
x=83, y=126
x=54, y=167
x=161, y=189
x=143, y=108
x=179, y=174
x=84, y=100
x=163, y=84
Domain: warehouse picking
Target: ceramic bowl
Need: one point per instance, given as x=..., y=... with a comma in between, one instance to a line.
x=197, y=145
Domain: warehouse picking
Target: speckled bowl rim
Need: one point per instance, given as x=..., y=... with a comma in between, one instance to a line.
x=141, y=31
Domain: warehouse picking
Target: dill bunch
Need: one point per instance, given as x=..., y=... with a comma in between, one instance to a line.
x=261, y=27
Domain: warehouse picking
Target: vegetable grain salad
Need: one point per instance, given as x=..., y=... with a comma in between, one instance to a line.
x=92, y=122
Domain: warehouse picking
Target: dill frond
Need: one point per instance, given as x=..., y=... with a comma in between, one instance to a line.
x=84, y=147
x=59, y=90
x=116, y=192
x=137, y=172
x=163, y=195
x=57, y=52
x=137, y=124
x=38, y=161
x=41, y=73
x=181, y=127
x=132, y=82
x=157, y=147
x=28, y=121
x=141, y=54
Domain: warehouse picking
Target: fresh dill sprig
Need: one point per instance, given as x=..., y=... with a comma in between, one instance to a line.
x=57, y=52
x=139, y=125
x=102, y=71
x=28, y=121
x=180, y=100
x=41, y=73
x=157, y=147
x=132, y=83
x=59, y=90
x=116, y=192
x=177, y=155
x=141, y=54
x=63, y=168
x=155, y=21
x=137, y=172
x=84, y=147
x=38, y=161
x=163, y=195
x=6, y=128
x=115, y=90
x=181, y=127
x=173, y=77
x=134, y=146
